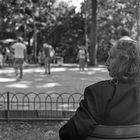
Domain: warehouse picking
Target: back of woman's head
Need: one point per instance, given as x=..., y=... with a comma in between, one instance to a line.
x=129, y=49
x=132, y=50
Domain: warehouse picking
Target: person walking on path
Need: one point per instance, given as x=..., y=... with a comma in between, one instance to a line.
x=81, y=57
x=48, y=50
x=19, y=56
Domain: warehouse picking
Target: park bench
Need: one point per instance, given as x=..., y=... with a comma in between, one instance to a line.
x=126, y=132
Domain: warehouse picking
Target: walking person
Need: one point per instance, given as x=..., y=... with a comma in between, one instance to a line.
x=11, y=58
x=19, y=56
x=81, y=58
x=47, y=49
x=40, y=57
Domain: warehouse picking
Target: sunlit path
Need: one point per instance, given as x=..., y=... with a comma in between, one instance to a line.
x=62, y=79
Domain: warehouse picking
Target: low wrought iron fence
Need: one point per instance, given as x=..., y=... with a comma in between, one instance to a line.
x=38, y=106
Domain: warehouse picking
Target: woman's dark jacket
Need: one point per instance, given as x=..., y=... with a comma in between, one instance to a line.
x=103, y=103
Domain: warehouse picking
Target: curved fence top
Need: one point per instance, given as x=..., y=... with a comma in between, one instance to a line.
x=32, y=106
x=41, y=101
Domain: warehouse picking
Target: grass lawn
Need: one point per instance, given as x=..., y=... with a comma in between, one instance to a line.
x=40, y=130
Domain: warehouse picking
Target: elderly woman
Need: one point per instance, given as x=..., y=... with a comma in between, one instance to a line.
x=110, y=102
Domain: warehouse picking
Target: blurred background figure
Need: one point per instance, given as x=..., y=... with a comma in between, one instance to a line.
x=41, y=57
x=48, y=54
x=81, y=57
x=19, y=56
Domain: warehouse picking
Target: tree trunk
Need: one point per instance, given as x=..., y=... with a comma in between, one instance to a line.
x=93, y=37
x=137, y=19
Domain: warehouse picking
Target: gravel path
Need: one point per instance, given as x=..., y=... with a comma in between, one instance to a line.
x=62, y=79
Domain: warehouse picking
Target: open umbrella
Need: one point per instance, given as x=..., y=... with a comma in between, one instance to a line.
x=47, y=45
x=9, y=40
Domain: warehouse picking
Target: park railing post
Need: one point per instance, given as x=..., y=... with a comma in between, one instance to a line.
x=8, y=104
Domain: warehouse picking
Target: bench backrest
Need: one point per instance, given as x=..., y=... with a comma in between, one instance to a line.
x=101, y=132
x=93, y=138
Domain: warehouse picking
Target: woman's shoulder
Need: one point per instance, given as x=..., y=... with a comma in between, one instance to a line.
x=101, y=84
x=102, y=88
x=100, y=91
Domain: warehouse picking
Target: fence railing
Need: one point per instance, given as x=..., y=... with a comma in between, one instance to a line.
x=38, y=106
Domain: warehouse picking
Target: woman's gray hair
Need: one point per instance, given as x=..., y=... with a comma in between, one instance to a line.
x=130, y=49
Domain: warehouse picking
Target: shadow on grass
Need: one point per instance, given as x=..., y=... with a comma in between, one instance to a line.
x=40, y=130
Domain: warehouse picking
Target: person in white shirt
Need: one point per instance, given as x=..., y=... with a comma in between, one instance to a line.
x=19, y=55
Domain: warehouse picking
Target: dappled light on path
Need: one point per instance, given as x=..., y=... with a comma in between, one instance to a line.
x=59, y=69
x=18, y=85
x=61, y=79
x=90, y=71
x=40, y=70
x=21, y=84
x=48, y=85
x=3, y=80
x=6, y=71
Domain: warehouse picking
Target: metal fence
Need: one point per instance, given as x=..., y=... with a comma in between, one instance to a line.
x=38, y=106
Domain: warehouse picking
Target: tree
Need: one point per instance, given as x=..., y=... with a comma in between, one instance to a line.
x=64, y=29
x=112, y=16
x=93, y=38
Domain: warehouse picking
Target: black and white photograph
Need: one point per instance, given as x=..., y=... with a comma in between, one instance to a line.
x=69, y=69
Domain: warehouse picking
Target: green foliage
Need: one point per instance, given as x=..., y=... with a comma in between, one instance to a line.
x=66, y=33
x=63, y=28
x=112, y=16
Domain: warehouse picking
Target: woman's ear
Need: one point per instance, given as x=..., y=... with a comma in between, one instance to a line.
x=134, y=68
x=124, y=59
